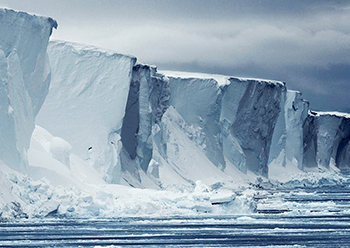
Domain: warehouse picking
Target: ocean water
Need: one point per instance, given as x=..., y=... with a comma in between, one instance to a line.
x=298, y=217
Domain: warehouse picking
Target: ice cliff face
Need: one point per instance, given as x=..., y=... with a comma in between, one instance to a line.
x=148, y=99
x=245, y=123
x=253, y=120
x=146, y=128
x=25, y=79
x=87, y=101
x=327, y=140
x=288, y=136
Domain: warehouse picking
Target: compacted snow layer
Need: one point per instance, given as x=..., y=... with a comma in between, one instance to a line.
x=24, y=80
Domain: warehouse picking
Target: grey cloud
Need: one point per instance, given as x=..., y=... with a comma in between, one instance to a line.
x=304, y=43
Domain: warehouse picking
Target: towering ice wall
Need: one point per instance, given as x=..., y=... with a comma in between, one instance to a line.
x=288, y=136
x=198, y=101
x=246, y=122
x=87, y=100
x=327, y=140
x=295, y=111
x=228, y=119
x=149, y=129
x=148, y=99
x=250, y=112
x=24, y=80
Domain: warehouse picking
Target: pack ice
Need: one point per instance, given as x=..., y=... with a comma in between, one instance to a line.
x=96, y=123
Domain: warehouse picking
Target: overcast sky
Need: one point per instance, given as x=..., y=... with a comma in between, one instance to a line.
x=305, y=43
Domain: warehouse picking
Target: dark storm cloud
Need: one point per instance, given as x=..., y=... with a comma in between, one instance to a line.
x=304, y=43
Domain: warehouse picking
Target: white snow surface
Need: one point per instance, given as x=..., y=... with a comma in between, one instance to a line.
x=332, y=113
x=221, y=79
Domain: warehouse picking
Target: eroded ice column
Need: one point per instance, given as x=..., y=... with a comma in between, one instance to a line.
x=326, y=140
x=25, y=79
x=333, y=139
x=255, y=107
x=296, y=111
x=278, y=142
x=232, y=94
x=310, y=142
x=342, y=153
x=137, y=124
x=292, y=127
x=328, y=127
x=148, y=99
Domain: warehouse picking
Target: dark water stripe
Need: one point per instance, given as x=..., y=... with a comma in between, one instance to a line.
x=193, y=226
x=243, y=240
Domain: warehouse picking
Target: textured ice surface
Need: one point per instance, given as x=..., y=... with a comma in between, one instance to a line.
x=288, y=135
x=198, y=101
x=255, y=119
x=28, y=35
x=24, y=81
x=87, y=99
x=235, y=116
x=326, y=140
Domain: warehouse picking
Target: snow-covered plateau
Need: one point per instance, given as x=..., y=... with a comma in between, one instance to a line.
x=87, y=132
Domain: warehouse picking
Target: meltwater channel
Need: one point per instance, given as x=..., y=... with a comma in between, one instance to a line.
x=301, y=217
